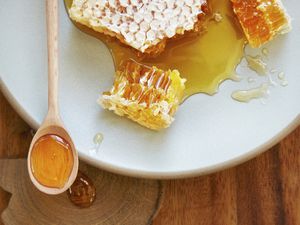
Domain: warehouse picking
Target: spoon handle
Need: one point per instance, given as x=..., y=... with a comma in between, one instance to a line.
x=52, y=43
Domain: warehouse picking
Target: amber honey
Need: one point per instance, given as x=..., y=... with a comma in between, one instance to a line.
x=82, y=192
x=151, y=95
x=51, y=161
x=261, y=20
x=205, y=60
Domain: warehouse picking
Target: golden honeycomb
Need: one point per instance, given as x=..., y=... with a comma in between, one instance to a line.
x=146, y=95
x=261, y=20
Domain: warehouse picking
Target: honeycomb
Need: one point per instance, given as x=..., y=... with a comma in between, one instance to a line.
x=142, y=24
x=261, y=20
x=146, y=95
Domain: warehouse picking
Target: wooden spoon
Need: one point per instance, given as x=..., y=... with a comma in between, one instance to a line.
x=52, y=123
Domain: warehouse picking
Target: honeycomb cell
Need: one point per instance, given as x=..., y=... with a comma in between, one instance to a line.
x=146, y=95
x=261, y=20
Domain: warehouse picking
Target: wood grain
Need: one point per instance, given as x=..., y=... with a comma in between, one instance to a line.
x=264, y=190
x=15, y=134
x=289, y=158
x=15, y=137
x=120, y=200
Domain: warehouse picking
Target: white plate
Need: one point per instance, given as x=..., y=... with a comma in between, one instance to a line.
x=209, y=133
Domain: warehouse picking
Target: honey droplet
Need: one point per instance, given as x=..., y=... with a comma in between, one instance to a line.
x=82, y=192
x=284, y=83
x=98, y=138
x=265, y=52
x=247, y=95
x=256, y=64
x=281, y=76
x=51, y=161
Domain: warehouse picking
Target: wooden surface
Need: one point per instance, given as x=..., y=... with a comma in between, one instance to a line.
x=120, y=199
x=265, y=190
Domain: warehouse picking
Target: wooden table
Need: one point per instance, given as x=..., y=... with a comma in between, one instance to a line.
x=264, y=190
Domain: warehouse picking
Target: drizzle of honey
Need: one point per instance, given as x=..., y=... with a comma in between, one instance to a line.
x=205, y=60
x=82, y=192
x=51, y=161
x=256, y=64
x=248, y=95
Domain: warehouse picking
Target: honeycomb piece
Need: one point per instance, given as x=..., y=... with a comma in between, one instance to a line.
x=146, y=95
x=261, y=20
x=145, y=25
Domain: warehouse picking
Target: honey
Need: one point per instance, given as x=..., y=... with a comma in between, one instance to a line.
x=248, y=95
x=82, y=192
x=256, y=64
x=51, y=161
x=265, y=52
x=281, y=76
x=147, y=95
x=204, y=60
x=261, y=20
x=282, y=79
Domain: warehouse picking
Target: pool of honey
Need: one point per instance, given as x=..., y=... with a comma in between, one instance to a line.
x=204, y=60
x=51, y=161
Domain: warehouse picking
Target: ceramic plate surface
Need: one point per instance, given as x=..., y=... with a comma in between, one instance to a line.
x=210, y=132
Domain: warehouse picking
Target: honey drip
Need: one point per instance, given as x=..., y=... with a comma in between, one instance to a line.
x=256, y=64
x=82, y=192
x=283, y=81
x=248, y=95
x=205, y=60
x=51, y=161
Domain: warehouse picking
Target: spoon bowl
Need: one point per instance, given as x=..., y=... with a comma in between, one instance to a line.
x=54, y=127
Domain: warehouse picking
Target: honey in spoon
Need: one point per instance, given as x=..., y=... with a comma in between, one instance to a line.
x=205, y=60
x=51, y=161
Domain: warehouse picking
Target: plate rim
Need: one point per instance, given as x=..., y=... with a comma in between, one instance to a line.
x=110, y=167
